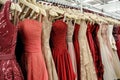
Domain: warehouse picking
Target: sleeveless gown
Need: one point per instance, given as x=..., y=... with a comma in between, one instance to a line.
x=109, y=73
x=87, y=65
x=9, y=68
x=71, y=50
x=115, y=59
x=94, y=47
x=77, y=49
x=30, y=31
x=59, y=50
x=46, y=30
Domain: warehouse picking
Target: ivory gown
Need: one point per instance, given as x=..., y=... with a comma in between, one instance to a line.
x=87, y=65
x=109, y=73
x=111, y=46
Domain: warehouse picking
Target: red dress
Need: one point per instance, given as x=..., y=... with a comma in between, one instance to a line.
x=95, y=50
x=34, y=62
x=116, y=34
x=9, y=68
x=77, y=48
x=59, y=51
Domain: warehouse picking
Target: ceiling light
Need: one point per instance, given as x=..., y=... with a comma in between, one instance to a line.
x=88, y=0
x=112, y=1
x=97, y=4
x=73, y=4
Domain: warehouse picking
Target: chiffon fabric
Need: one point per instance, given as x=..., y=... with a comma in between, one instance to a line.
x=46, y=30
x=109, y=73
x=111, y=38
x=87, y=65
x=116, y=34
x=71, y=50
x=59, y=50
x=9, y=68
x=92, y=31
x=34, y=60
x=77, y=49
x=115, y=59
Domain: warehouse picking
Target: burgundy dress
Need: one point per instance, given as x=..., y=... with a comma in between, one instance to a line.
x=77, y=48
x=95, y=50
x=59, y=51
x=116, y=34
x=9, y=68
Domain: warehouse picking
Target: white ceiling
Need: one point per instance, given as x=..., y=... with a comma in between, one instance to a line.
x=109, y=7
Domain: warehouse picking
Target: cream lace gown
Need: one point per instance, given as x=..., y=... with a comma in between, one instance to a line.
x=71, y=47
x=111, y=38
x=113, y=50
x=109, y=73
x=47, y=25
x=87, y=65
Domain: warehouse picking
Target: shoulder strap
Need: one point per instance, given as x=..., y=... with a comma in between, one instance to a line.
x=7, y=9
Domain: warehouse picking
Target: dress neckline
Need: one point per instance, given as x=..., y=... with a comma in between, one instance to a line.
x=1, y=10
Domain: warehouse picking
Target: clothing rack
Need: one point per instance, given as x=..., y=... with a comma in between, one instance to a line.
x=80, y=7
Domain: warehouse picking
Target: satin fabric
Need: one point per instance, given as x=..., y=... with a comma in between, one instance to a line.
x=92, y=31
x=60, y=52
x=77, y=49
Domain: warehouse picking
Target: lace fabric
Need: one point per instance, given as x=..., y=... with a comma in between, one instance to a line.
x=71, y=50
x=87, y=65
x=46, y=30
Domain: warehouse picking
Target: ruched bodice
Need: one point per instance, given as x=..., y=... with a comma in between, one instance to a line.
x=59, y=51
x=59, y=33
x=30, y=31
x=30, y=38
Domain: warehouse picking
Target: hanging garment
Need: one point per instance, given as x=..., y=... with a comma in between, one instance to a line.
x=9, y=68
x=112, y=41
x=59, y=50
x=87, y=65
x=70, y=46
x=111, y=38
x=77, y=49
x=115, y=59
x=95, y=48
x=109, y=73
x=46, y=30
x=34, y=61
x=116, y=34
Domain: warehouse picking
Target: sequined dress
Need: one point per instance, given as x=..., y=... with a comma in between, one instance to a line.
x=9, y=68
